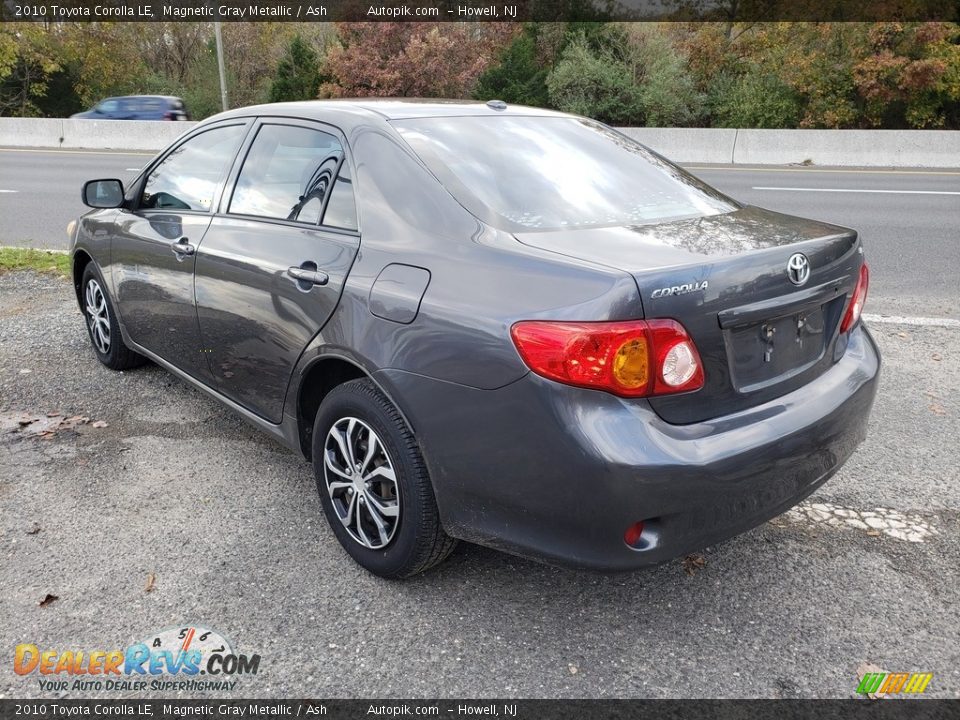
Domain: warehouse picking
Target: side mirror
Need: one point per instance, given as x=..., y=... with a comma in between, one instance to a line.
x=103, y=193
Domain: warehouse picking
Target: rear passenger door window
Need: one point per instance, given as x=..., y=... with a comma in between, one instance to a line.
x=288, y=174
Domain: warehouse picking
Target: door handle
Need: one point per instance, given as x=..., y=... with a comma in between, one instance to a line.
x=306, y=275
x=183, y=247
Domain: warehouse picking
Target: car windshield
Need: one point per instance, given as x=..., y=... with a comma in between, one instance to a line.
x=547, y=173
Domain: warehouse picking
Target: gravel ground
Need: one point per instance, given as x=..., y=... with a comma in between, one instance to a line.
x=229, y=525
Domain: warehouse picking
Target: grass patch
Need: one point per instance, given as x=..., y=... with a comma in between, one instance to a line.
x=49, y=262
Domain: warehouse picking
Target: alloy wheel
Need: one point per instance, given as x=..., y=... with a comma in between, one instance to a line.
x=98, y=316
x=361, y=482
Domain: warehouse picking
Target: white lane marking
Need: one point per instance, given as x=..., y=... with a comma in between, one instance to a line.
x=117, y=153
x=851, y=171
x=8, y=191
x=890, y=522
x=902, y=320
x=852, y=190
x=131, y=169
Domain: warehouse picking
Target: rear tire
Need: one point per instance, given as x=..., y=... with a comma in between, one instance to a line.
x=373, y=483
x=102, y=324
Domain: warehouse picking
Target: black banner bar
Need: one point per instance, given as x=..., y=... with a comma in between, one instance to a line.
x=500, y=709
x=478, y=10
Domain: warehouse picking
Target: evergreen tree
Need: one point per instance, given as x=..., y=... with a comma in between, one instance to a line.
x=298, y=74
x=518, y=78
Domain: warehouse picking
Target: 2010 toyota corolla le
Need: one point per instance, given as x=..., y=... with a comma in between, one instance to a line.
x=500, y=324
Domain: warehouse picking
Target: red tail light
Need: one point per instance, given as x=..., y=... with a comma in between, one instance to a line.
x=631, y=359
x=857, y=300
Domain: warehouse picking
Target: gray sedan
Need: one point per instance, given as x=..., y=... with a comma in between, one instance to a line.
x=499, y=324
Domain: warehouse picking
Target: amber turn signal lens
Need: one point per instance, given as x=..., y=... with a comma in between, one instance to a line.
x=631, y=364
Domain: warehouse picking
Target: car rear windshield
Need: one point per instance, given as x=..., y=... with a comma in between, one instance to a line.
x=525, y=173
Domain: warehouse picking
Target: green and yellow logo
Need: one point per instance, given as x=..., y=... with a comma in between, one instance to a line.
x=881, y=683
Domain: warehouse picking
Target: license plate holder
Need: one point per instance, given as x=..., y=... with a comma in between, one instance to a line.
x=770, y=351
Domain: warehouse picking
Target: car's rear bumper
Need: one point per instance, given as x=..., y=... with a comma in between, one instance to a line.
x=559, y=473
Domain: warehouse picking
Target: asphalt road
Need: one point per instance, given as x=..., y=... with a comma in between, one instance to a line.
x=909, y=218
x=228, y=524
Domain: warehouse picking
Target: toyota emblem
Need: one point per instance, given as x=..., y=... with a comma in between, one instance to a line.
x=798, y=268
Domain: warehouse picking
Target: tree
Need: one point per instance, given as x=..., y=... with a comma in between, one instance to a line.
x=404, y=59
x=298, y=74
x=28, y=56
x=756, y=99
x=630, y=74
x=912, y=75
x=595, y=84
x=518, y=77
x=668, y=92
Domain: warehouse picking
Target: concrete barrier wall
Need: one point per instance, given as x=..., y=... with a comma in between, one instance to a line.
x=868, y=148
x=90, y=134
x=871, y=148
x=688, y=145
x=30, y=132
x=896, y=148
x=123, y=135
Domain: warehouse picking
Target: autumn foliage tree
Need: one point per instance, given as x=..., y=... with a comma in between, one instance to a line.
x=911, y=74
x=402, y=59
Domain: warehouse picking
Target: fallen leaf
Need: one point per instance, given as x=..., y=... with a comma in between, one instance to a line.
x=34, y=530
x=573, y=669
x=936, y=356
x=874, y=533
x=938, y=409
x=54, y=413
x=151, y=582
x=49, y=599
x=903, y=335
x=100, y=424
x=692, y=563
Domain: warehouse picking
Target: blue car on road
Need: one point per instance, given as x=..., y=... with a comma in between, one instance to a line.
x=137, y=107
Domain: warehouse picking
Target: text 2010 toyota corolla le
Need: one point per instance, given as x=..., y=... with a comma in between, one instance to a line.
x=506, y=325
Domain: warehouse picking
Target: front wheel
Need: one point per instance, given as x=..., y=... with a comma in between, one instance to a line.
x=374, y=485
x=102, y=324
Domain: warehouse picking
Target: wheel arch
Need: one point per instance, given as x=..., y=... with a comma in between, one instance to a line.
x=318, y=380
x=81, y=258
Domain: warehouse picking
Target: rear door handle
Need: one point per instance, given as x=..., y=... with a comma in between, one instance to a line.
x=183, y=247
x=305, y=275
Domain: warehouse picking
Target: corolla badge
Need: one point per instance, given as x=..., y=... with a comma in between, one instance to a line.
x=679, y=289
x=798, y=268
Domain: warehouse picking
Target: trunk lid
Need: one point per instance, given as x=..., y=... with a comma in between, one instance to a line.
x=725, y=278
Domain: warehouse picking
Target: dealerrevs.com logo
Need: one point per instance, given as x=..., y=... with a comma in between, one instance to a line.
x=182, y=658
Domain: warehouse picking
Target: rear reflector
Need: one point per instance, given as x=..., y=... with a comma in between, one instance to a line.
x=634, y=358
x=632, y=536
x=857, y=300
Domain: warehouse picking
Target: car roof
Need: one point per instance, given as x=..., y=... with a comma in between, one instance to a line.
x=141, y=97
x=386, y=109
